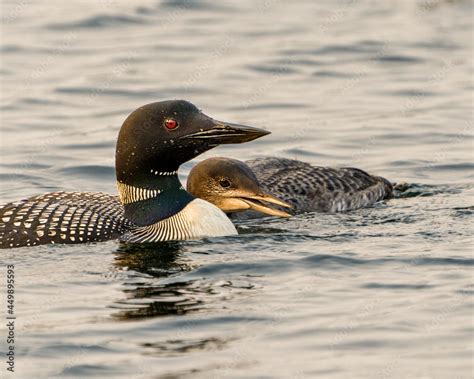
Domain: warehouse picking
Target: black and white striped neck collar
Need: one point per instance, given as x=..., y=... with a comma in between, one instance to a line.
x=130, y=194
x=159, y=197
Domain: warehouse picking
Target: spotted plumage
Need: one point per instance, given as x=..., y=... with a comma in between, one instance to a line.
x=321, y=189
x=62, y=217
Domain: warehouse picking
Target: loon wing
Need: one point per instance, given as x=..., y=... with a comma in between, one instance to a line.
x=61, y=217
x=315, y=188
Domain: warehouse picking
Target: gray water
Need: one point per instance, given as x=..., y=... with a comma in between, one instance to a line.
x=384, y=292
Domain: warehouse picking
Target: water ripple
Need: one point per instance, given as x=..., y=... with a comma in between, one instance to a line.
x=98, y=22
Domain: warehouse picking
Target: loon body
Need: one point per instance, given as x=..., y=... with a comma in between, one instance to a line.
x=321, y=189
x=306, y=187
x=152, y=204
x=79, y=217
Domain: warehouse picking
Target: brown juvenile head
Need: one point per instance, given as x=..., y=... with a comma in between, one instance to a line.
x=232, y=186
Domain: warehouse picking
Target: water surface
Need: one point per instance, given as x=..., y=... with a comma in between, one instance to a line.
x=385, y=86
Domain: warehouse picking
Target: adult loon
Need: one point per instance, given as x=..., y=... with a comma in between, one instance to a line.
x=153, y=142
x=225, y=182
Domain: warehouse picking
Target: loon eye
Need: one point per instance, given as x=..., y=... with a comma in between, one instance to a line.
x=224, y=183
x=171, y=123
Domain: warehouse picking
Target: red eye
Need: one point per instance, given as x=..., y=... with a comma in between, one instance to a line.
x=171, y=123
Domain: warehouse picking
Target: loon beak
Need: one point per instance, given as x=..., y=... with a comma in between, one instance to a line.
x=241, y=201
x=257, y=203
x=218, y=132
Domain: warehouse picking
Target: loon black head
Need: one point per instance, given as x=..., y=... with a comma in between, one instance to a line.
x=232, y=186
x=153, y=142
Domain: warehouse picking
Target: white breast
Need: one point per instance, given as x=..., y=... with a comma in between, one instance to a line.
x=206, y=220
x=196, y=220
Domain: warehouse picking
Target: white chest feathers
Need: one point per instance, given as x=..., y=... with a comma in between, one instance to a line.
x=198, y=219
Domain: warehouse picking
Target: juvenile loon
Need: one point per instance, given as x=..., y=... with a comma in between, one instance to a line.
x=232, y=186
x=152, y=205
x=224, y=182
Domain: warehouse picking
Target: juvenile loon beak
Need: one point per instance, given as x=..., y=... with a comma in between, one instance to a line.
x=257, y=203
x=218, y=132
x=243, y=200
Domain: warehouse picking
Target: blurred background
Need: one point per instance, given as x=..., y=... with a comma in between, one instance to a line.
x=385, y=86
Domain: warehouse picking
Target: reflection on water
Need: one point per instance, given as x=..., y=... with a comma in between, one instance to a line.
x=148, y=295
x=145, y=297
x=147, y=300
x=154, y=259
x=172, y=348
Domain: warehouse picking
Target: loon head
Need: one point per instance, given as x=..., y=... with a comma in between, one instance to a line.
x=153, y=142
x=232, y=186
x=166, y=134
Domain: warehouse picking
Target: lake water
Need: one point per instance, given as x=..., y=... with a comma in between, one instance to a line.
x=385, y=86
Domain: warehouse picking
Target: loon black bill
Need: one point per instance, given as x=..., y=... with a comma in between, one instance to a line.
x=226, y=133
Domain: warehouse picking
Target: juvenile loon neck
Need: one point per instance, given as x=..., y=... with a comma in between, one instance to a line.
x=157, y=197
